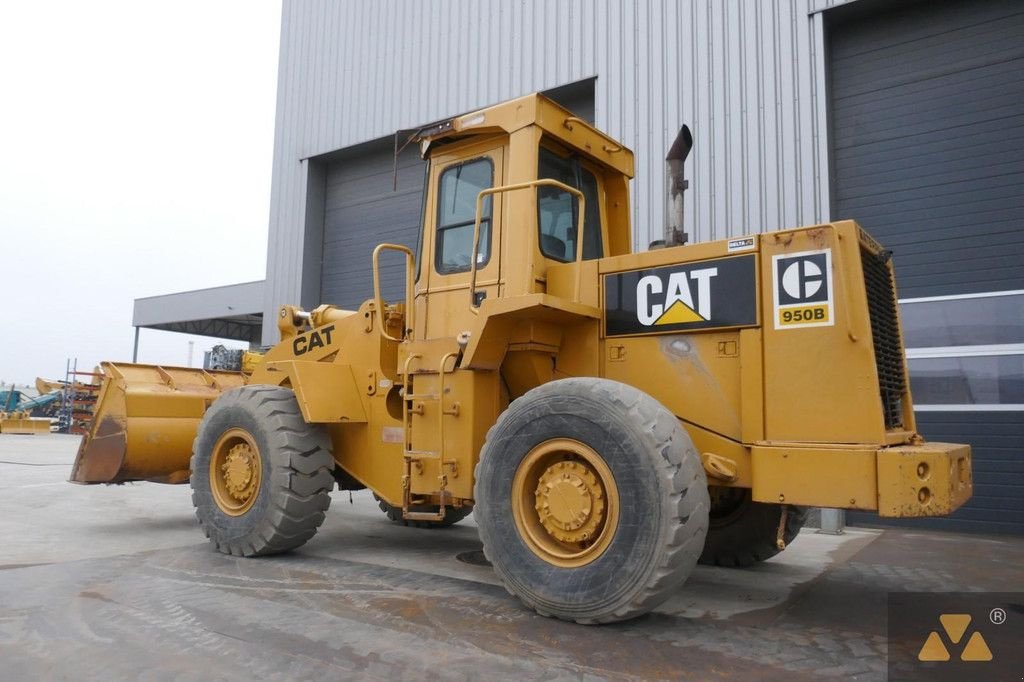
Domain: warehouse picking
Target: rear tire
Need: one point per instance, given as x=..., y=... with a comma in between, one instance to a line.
x=743, y=532
x=261, y=476
x=592, y=503
x=452, y=515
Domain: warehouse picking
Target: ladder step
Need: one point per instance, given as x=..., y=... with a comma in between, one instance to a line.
x=423, y=516
x=422, y=454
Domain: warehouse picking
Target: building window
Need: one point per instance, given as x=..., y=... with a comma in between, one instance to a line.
x=557, y=210
x=456, y=215
x=966, y=353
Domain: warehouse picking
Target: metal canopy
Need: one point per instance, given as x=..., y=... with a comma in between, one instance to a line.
x=229, y=312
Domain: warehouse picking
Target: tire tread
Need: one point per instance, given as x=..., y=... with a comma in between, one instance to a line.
x=298, y=498
x=683, y=476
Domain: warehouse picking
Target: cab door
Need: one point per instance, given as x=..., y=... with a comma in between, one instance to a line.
x=443, y=290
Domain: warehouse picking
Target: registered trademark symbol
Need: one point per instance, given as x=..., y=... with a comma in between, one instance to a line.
x=997, y=616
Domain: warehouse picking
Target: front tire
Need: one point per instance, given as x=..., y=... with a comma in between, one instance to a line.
x=591, y=501
x=261, y=476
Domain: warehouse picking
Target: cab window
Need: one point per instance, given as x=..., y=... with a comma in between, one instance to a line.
x=456, y=213
x=558, y=210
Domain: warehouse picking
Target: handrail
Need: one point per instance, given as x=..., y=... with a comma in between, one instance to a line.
x=410, y=277
x=543, y=182
x=570, y=120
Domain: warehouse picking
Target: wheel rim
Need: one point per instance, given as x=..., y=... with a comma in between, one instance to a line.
x=236, y=471
x=565, y=502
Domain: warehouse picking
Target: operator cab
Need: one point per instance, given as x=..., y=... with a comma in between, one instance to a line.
x=511, y=178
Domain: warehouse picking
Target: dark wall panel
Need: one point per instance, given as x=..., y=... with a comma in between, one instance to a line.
x=927, y=153
x=363, y=209
x=927, y=123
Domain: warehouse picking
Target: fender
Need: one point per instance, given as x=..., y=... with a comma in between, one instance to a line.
x=327, y=393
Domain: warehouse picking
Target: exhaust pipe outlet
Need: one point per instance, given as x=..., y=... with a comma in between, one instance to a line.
x=677, y=185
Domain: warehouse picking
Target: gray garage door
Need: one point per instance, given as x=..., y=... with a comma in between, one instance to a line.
x=927, y=123
x=928, y=129
x=362, y=209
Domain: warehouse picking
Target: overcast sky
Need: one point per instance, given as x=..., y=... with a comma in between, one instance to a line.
x=136, y=141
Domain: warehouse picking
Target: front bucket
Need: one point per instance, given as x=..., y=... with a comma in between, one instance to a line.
x=22, y=423
x=144, y=422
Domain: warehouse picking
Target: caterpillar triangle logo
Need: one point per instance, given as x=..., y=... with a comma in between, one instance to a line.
x=710, y=294
x=678, y=313
x=955, y=625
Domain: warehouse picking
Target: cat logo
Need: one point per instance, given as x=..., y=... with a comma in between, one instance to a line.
x=702, y=295
x=316, y=339
x=802, y=289
x=955, y=625
x=677, y=306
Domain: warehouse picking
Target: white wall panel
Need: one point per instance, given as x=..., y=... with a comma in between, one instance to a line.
x=745, y=75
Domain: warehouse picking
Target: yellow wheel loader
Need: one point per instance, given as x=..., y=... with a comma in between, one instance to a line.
x=611, y=418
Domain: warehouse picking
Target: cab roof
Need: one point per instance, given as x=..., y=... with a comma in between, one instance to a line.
x=535, y=109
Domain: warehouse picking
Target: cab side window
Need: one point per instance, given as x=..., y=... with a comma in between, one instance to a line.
x=558, y=210
x=456, y=213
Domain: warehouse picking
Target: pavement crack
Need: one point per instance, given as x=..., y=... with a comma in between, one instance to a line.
x=11, y=567
x=35, y=464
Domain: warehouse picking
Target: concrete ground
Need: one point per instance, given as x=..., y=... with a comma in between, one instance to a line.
x=118, y=583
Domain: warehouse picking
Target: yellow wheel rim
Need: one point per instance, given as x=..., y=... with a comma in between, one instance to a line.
x=236, y=472
x=565, y=502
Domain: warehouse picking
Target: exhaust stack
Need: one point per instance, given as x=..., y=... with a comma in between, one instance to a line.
x=677, y=184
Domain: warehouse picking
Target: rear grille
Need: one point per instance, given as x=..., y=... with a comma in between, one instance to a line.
x=885, y=332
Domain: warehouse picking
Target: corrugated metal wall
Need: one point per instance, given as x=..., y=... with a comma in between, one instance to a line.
x=748, y=77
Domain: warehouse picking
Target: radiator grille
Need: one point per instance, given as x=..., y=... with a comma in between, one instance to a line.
x=885, y=333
